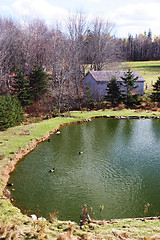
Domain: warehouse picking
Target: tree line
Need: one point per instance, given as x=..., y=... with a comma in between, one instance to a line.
x=142, y=47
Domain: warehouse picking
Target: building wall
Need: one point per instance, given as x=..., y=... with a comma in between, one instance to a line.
x=139, y=89
x=98, y=89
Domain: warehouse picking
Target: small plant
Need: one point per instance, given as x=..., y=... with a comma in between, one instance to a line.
x=92, y=213
x=146, y=209
x=41, y=229
x=101, y=207
x=68, y=234
x=55, y=113
x=85, y=215
x=53, y=216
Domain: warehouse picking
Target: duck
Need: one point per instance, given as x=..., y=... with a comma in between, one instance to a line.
x=52, y=170
x=9, y=184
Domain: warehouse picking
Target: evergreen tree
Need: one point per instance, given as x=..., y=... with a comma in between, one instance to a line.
x=18, y=111
x=4, y=117
x=11, y=112
x=20, y=88
x=113, y=92
x=89, y=102
x=155, y=96
x=38, y=83
x=129, y=81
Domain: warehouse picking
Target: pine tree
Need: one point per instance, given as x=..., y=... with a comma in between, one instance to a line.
x=11, y=112
x=38, y=83
x=88, y=98
x=155, y=96
x=129, y=81
x=4, y=117
x=20, y=88
x=113, y=92
x=18, y=111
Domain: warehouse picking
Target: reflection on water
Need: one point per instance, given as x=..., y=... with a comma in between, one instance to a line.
x=119, y=168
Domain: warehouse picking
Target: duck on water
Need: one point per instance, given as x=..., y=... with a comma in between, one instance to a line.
x=52, y=170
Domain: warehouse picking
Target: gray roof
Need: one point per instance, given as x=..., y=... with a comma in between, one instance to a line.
x=103, y=76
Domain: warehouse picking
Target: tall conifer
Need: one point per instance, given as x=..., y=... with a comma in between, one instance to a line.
x=155, y=96
x=113, y=92
x=20, y=88
x=129, y=82
x=38, y=83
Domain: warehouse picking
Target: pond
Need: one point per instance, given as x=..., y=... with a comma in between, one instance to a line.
x=119, y=168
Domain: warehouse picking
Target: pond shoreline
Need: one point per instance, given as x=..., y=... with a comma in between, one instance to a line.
x=21, y=153
x=10, y=165
x=8, y=168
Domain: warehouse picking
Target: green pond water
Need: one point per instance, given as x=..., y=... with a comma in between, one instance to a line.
x=119, y=167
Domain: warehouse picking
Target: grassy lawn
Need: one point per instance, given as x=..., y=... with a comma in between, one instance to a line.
x=14, y=225
x=149, y=70
x=125, y=113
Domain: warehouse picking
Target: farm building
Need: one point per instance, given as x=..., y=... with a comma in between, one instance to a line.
x=97, y=82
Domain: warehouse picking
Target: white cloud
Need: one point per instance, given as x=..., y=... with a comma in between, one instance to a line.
x=134, y=18
x=138, y=17
x=38, y=8
x=94, y=1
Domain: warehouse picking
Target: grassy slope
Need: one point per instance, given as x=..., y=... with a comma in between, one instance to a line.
x=149, y=70
x=12, y=222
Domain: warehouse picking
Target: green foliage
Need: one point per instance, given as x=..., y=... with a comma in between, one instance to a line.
x=20, y=88
x=38, y=83
x=155, y=96
x=101, y=207
x=55, y=113
x=89, y=102
x=11, y=112
x=149, y=70
x=30, y=89
x=129, y=80
x=113, y=92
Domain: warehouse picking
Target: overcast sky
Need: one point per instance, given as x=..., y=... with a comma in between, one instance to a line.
x=129, y=16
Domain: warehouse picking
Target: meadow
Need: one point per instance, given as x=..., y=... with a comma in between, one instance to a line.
x=149, y=70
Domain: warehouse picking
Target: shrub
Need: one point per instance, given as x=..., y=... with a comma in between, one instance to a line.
x=2, y=155
x=11, y=112
x=155, y=96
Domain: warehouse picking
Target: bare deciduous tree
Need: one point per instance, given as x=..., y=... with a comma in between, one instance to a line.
x=102, y=47
x=11, y=50
x=77, y=28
